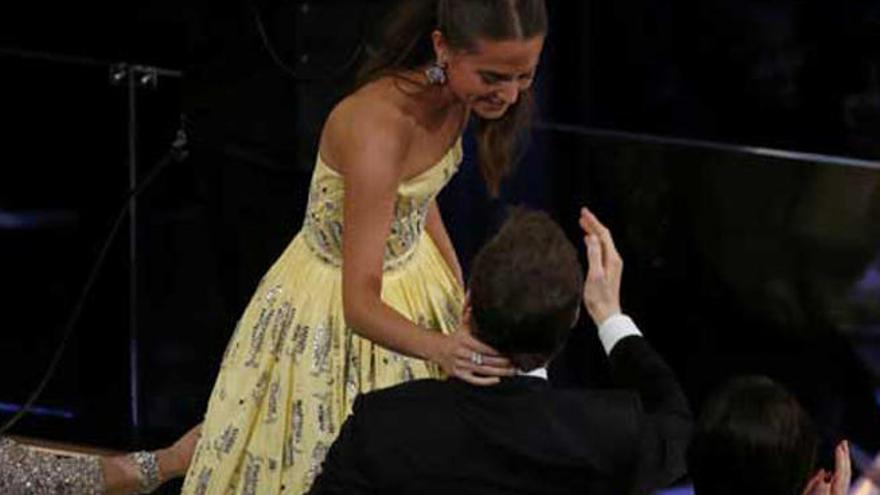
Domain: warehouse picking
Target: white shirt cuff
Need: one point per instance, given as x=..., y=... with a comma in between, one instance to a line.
x=536, y=373
x=615, y=328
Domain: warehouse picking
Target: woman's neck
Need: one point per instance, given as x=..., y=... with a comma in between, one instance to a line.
x=430, y=105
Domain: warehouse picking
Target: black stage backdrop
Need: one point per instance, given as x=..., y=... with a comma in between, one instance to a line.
x=735, y=262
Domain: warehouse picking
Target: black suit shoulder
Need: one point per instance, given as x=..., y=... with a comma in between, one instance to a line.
x=411, y=389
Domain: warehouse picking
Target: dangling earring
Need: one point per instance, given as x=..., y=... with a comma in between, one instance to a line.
x=436, y=74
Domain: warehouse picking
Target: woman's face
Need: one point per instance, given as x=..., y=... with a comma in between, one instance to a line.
x=490, y=77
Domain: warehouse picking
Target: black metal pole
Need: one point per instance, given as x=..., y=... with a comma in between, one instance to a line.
x=134, y=378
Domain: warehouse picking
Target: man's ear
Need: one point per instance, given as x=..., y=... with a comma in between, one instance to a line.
x=466, y=314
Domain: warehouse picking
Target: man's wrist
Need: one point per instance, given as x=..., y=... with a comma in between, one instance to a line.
x=615, y=328
x=600, y=315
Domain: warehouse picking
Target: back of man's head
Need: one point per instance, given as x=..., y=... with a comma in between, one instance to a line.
x=525, y=289
x=752, y=437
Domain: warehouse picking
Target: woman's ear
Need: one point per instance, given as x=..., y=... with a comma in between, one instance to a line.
x=441, y=47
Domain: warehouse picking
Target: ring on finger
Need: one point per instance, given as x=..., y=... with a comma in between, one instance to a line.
x=477, y=358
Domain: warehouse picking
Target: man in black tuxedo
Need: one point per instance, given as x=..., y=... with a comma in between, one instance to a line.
x=521, y=435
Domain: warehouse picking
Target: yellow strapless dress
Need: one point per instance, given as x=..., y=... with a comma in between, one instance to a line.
x=293, y=367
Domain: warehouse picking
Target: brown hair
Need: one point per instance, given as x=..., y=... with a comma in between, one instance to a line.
x=525, y=288
x=752, y=437
x=406, y=45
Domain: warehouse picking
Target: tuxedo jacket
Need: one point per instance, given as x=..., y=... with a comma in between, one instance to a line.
x=519, y=437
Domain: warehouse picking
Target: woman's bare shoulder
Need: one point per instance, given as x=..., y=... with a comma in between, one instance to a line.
x=367, y=120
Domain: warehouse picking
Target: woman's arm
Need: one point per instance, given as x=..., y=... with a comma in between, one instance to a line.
x=122, y=476
x=437, y=230
x=373, y=168
x=373, y=158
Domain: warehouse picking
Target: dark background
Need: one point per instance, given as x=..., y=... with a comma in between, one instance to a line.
x=734, y=262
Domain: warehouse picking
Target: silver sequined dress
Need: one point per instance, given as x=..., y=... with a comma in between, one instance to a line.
x=27, y=472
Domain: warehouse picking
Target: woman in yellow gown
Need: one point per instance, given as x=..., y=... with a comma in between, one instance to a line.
x=369, y=293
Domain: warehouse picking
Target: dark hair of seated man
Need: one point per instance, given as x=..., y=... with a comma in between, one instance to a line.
x=752, y=437
x=525, y=289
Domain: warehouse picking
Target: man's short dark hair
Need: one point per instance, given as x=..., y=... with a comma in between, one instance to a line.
x=752, y=437
x=525, y=287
